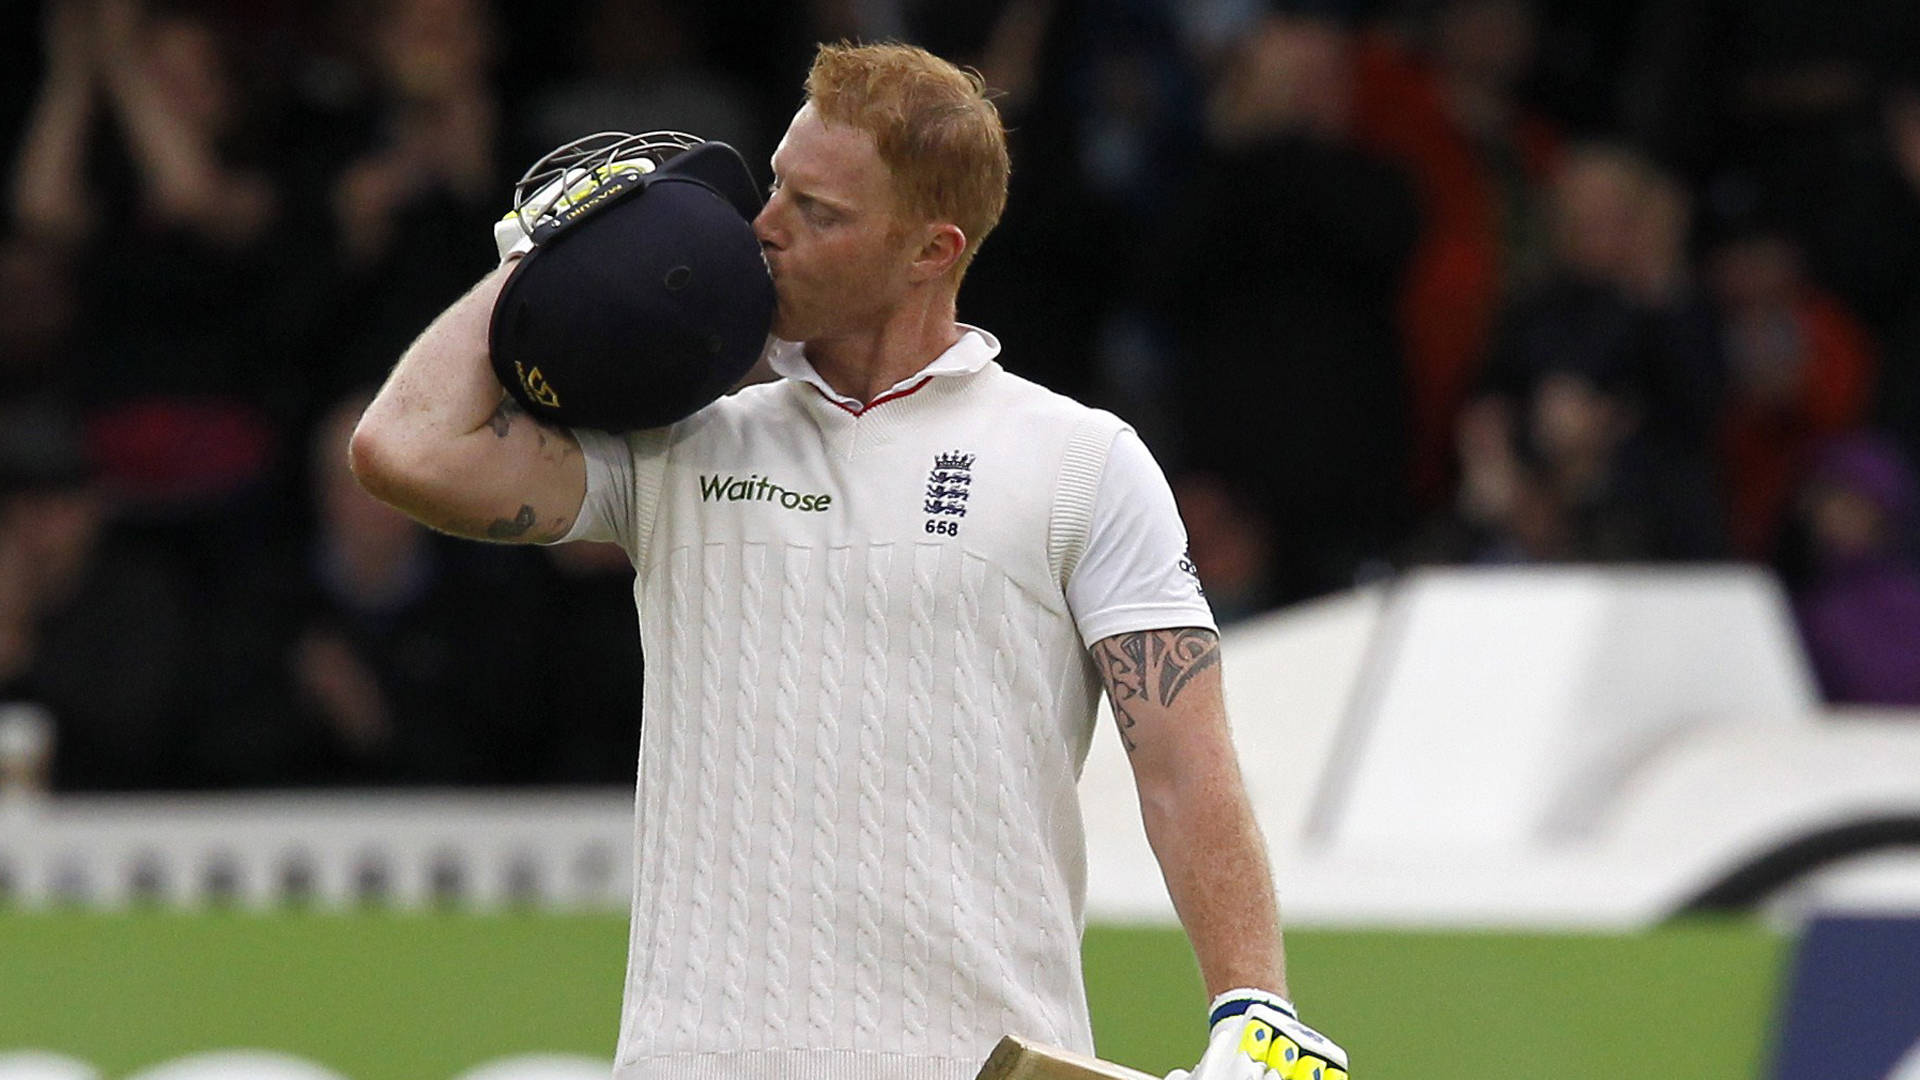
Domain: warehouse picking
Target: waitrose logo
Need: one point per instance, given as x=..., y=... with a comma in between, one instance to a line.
x=757, y=488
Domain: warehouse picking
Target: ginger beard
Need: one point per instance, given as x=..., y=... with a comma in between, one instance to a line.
x=829, y=232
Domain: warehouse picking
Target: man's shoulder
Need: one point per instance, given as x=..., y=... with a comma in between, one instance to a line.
x=1031, y=401
x=774, y=394
x=750, y=407
x=754, y=404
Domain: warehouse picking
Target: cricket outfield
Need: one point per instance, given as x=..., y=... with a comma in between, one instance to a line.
x=411, y=996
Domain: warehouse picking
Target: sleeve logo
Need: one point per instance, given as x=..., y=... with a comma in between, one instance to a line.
x=1187, y=567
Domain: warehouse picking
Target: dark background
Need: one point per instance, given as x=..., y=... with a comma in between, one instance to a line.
x=1382, y=285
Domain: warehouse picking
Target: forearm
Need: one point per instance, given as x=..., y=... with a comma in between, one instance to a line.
x=443, y=443
x=185, y=181
x=1215, y=864
x=1167, y=698
x=444, y=387
x=176, y=160
x=49, y=189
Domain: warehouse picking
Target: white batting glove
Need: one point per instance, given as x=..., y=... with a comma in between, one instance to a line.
x=513, y=237
x=1256, y=1035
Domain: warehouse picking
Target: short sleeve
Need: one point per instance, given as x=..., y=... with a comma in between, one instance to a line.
x=1134, y=574
x=623, y=484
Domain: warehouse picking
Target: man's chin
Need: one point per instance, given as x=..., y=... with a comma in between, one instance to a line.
x=786, y=327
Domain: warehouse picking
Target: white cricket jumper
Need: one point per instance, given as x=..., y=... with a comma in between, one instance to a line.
x=859, y=853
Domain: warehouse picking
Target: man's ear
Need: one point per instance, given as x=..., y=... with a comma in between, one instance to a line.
x=940, y=246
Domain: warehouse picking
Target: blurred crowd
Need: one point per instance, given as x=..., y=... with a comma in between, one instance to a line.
x=1383, y=285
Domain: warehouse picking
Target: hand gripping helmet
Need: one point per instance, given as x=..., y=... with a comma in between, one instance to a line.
x=645, y=296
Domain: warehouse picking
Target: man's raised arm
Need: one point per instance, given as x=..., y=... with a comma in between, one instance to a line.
x=444, y=443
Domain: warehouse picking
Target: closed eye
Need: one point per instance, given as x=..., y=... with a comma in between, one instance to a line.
x=815, y=211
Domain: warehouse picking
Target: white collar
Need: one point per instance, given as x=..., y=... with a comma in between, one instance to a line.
x=788, y=359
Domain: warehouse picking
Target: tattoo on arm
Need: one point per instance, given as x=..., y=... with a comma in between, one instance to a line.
x=520, y=528
x=509, y=411
x=502, y=419
x=514, y=528
x=1123, y=664
x=1151, y=668
x=1180, y=655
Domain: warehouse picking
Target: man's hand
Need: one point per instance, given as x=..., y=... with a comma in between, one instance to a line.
x=1258, y=1036
x=513, y=234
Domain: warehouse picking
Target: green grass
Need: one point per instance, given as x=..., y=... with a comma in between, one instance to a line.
x=421, y=997
x=379, y=997
x=1696, y=999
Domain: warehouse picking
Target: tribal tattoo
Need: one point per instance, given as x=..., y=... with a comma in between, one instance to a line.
x=1149, y=668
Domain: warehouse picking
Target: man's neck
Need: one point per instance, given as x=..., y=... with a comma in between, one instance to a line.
x=864, y=366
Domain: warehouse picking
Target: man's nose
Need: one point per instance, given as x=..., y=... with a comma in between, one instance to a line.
x=763, y=226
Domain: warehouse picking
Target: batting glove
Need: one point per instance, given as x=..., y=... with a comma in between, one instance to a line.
x=1258, y=1036
x=513, y=234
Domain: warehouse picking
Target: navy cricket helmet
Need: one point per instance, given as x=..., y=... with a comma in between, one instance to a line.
x=645, y=296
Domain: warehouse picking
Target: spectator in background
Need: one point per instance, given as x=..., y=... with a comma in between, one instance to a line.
x=1101, y=119
x=1814, y=106
x=1799, y=368
x=92, y=629
x=374, y=656
x=1655, y=271
x=1447, y=108
x=147, y=168
x=162, y=76
x=414, y=202
x=192, y=273
x=57, y=139
x=1502, y=511
x=641, y=70
x=1589, y=437
x=1855, y=202
x=1860, y=613
x=1789, y=93
x=1274, y=273
x=1897, y=395
x=1560, y=476
x=1616, y=365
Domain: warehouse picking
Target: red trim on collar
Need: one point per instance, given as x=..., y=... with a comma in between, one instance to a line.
x=882, y=399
